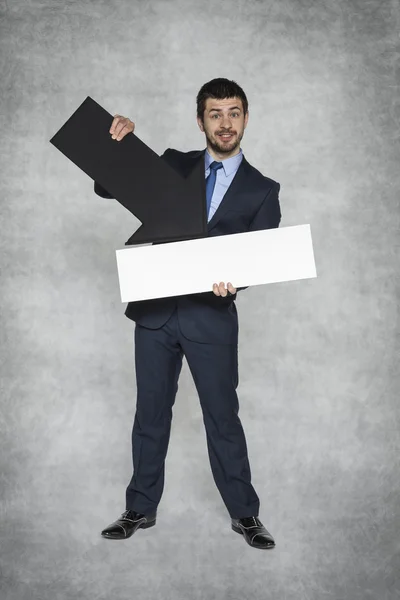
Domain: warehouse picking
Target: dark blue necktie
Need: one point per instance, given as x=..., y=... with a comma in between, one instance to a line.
x=210, y=182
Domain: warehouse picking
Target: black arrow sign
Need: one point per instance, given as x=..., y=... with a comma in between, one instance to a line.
x=170, y=207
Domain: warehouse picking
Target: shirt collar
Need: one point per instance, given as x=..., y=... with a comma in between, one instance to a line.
x=229, y=164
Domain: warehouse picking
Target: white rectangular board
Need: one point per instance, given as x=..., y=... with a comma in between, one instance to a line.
x=192, y=266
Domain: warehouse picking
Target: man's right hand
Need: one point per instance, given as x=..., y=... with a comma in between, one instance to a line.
x=120, y=127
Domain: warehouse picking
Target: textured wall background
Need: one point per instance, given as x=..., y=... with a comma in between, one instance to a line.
x=319, y=381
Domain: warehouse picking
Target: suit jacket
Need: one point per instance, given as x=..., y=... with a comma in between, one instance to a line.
x=251, y=203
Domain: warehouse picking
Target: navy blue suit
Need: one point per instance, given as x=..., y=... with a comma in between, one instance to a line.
x=204, y=328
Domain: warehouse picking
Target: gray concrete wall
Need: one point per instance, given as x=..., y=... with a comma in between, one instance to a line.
x=318, y=359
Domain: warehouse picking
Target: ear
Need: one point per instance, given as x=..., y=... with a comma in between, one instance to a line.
x=200, y=124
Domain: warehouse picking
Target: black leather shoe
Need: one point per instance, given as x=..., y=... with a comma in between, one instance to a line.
x=254, y=532
x=129, y=522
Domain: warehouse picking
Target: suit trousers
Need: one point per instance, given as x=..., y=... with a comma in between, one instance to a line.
x=214, y=367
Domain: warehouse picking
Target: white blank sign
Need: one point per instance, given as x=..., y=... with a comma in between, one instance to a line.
x=192, y=266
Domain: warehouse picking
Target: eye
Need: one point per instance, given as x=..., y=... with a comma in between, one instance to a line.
x=216, y=115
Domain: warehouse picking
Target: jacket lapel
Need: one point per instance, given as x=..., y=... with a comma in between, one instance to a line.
x=237, y=186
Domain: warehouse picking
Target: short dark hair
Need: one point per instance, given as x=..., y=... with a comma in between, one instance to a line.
x=219, y=88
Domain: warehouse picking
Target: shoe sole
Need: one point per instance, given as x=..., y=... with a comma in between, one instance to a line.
x=238, y=530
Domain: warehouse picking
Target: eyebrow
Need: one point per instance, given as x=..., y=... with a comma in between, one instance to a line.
x=219, y=109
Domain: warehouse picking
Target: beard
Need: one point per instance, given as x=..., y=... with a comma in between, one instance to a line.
x=221, y=147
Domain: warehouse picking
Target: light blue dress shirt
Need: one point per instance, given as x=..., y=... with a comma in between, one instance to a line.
x=224, y=178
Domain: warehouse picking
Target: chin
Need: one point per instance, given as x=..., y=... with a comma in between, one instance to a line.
x=228, y=148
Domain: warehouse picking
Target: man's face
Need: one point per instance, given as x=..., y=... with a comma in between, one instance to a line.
x=223, y=116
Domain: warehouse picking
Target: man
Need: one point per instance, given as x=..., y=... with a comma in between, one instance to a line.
x=203, y=327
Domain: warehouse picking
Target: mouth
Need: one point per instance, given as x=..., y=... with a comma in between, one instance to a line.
x=226, y=137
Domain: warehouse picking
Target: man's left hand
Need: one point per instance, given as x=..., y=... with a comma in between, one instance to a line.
x=221, y=290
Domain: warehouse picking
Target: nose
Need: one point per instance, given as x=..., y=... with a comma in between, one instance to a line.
x=226, y=122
